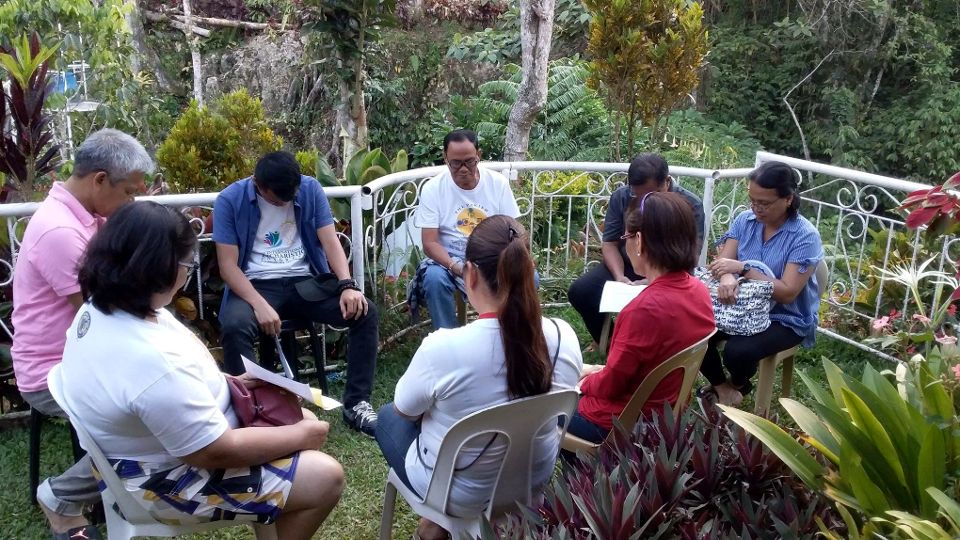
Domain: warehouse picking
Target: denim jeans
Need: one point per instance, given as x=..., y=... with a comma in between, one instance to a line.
x=438, y=287
x=395, y=434
x=239, y=331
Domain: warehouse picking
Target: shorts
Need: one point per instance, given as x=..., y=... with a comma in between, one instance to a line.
x=187, y=495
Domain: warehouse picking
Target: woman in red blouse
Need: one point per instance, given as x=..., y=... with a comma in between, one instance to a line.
x=671, y=314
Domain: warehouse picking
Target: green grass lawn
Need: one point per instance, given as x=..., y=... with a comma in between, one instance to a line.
x=358, y=514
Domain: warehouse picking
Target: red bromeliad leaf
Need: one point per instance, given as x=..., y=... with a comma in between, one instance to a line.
x=921, y=216
x=953, y=182
x=916, y=197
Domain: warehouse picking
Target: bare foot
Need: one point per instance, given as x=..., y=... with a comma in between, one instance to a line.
x=727, y=394
x=428, y=530
x=60, y=523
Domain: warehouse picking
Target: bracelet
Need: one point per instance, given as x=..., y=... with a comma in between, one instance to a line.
x=451, y=265
x=345, y=284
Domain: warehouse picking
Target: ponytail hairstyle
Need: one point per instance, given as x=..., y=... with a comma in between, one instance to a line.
x=498, y=250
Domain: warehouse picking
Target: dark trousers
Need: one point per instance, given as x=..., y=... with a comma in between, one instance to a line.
x=394, y=435
x=742, y=354
x=240, y=330
x=584, y=295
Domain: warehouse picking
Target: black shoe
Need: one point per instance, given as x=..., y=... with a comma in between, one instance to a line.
x=361, y=417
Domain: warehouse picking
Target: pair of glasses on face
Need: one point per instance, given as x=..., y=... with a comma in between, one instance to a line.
x=455, y=164
x=762, y=205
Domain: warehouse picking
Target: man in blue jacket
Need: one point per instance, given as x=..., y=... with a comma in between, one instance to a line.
x=280, y=258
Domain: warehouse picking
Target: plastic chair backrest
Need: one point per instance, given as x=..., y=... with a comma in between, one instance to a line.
x=519, y=421
x=132, y=511
x=688, y=360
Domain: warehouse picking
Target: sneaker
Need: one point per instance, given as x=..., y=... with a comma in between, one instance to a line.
x=361, y=417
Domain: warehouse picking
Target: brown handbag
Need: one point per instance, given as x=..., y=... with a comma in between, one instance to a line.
x=264, y=406
x=268, y=404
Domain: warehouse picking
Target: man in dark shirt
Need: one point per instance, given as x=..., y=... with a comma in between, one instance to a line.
x=647, y=173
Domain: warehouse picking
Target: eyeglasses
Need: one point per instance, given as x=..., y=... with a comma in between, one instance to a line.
x=455, y=164
x=762, y=205
x=628, y=235
x=191, y=266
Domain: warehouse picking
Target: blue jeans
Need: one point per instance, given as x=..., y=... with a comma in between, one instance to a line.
x=395, y=434
x=584, y=429
x=438, y=287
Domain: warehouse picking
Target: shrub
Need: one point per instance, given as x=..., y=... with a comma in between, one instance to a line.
x=209, y=147
x=696, y=477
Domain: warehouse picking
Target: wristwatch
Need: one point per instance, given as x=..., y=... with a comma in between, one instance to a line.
x=345, y=284
x=746, y=268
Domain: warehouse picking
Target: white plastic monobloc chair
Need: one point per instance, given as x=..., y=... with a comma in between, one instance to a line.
x=127, y=518
x=519, y=421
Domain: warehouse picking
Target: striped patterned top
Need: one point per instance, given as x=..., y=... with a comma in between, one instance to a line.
x=797, y=241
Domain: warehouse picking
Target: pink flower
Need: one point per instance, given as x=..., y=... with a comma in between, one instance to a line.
x=952, y=310
x=920, y=317
x=881, y=323
x=944, y=339
x=894, y=314
x=956, y=371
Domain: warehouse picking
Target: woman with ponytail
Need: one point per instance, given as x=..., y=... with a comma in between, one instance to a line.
x=511, y=351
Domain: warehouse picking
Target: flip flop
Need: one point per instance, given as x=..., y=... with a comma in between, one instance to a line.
x=85, y=532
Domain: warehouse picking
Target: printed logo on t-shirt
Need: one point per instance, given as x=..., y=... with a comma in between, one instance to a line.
x=280, y=248
x=468, y=217
x=84, y=324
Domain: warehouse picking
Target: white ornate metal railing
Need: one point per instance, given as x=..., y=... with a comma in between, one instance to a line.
x=563, y=205
x=196, y=206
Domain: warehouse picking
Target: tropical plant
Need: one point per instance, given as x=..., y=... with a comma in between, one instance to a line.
x=26, y=152
x=696, y=477
x=364, y=167
x=211, y=146
x=885, y=445
x=346, y=30
x=646, y=59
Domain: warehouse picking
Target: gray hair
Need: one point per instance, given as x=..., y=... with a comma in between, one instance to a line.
x=113, y=152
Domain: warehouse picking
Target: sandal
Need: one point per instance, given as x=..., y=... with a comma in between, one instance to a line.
x=706, y=392
x=85, y=532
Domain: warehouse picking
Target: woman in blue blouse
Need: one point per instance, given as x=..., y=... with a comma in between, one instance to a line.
x=773, y=233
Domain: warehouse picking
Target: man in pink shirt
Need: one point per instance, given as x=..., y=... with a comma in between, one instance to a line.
x=108, y=171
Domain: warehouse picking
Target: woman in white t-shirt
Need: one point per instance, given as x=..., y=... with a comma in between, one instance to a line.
x=509, y=352
x=152, y=397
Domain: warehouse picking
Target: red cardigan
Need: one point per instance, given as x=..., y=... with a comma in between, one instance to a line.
x=671, y=314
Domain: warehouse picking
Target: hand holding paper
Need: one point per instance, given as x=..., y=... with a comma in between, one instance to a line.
x=312, y=395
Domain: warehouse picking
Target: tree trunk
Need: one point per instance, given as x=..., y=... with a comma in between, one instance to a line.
x=194, y=53
x=144, y=56
x=536, y=34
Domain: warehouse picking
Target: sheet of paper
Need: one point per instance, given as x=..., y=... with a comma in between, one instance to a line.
x=616, y=296
x=313, y=395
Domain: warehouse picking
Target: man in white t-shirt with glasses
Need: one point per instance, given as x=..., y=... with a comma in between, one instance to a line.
x=451, y=205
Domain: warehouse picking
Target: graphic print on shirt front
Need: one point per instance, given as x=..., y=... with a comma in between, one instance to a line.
x=279, y=245
x=469, y=216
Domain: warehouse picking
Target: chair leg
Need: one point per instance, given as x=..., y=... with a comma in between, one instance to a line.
x=36, y=423
x=319, y=361
x=605, y=333
x=765, y=376
x=786, y=379
x=386, y=519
